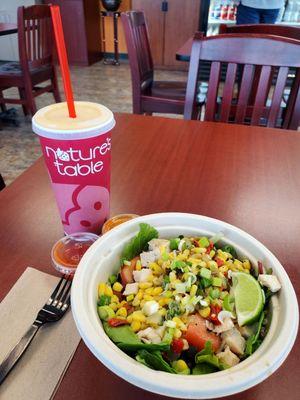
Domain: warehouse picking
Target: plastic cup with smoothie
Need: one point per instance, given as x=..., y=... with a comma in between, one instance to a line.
x=77, y=153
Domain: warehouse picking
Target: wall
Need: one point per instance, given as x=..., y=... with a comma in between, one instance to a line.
x=8, y=13
x=109, y=31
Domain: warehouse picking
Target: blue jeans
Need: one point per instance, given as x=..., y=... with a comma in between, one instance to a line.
x=249, y=15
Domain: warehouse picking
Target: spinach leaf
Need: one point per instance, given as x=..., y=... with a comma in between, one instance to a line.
x=207, y=357
x=202, y=369
x=139, y=242
x=121, y=334
x=155, y=361
x=127, y=340
x=253, y=341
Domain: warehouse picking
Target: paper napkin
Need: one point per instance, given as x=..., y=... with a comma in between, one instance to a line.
x=40, y=370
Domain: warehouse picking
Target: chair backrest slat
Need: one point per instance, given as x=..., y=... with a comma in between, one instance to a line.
x=35, y=36
x=244, y=93
x=260, y=60
x=139, y=52
x=261, y=94
x=228, y=92
x=212, y=92
x=277, y=95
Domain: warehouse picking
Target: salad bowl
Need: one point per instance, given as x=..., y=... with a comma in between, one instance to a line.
x=103, y=259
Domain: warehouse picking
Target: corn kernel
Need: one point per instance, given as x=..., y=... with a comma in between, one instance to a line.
x=108, y=291
x=145, y=285
x=212, y=253
x=129, y=318
x=123, y=303
x=172, y=276
x=138, y=265
x=142, y=303
x=136, y=326
x=246, y=264
x=168, y=294
x=138, y=316
x=212, y=264
x=202, y=264
x=205, y=312
x=135, y=302
x=162, y=312
x=181, y=365
x=101, y=289
x=114, y=299
x=193, y=290
x=122, y=312
x=223, y=269
x=149, y=291
x=130, y=297
x=147, y=297
x=113, y=306
x=117, y=287
x=177, y=333
x=151, y=278
x=157, y=291
x=177, y=321
x=140, y=295
x=160, y=262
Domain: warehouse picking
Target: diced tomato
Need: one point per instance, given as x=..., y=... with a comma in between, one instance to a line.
x=177, y=345
x=219, y=261
x=129, y=308
x=213, y=317
x=118, y=294
x=197, y=334
x=127, y=272
x=210, y=247
x=117, y=322
x=260, y=267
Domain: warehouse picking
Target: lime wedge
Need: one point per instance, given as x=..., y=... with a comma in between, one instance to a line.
x=248, y=298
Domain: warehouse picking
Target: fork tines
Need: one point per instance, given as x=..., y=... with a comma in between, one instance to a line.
x=60, y=296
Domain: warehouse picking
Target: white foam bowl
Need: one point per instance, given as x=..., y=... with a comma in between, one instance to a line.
x=101, y=260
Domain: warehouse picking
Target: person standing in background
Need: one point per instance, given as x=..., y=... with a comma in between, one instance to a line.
x=258, y=11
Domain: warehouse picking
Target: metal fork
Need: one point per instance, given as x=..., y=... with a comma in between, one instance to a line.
x=53, y=311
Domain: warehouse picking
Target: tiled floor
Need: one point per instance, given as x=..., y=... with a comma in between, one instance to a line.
x=108, y=85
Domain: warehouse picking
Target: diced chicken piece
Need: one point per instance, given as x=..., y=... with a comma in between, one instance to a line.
x=226, y=323
x=150, y=307
x=131, y=288
x=228, y=358
x=142, y=275
x=154, y=319
x=185, y=344
x=234, y=340
x=148, y=257
x=270, y=281
x=225, y=326
x=157, y=243
x=149, y=335
x=161, y=331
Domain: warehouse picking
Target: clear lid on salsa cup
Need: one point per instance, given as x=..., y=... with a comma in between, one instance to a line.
x=116, y=220
x=68, y=251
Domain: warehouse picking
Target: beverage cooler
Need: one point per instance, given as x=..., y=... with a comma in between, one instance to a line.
x=216, y=12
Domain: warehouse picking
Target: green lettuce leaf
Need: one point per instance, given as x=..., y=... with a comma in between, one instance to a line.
x=154, y=360
x=139, y=242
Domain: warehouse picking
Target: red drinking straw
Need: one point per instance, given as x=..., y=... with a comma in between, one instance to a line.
x=63, y=59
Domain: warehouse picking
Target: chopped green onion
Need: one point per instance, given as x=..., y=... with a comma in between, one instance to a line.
x=216, y=281
x=112, y=279
x=126, y=262
x=205, y=273
x=105, y=313
x=104, y=300
x=174, y=244
x=206, y=282
x=214, y=293
x=228, y=303
x=204, y=242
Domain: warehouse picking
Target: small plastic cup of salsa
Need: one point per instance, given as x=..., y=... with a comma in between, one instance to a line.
x=116, y=220
x=69, y=250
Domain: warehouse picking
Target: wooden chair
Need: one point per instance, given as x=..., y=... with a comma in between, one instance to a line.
x=292, y=32
x=232, y=104
x=149, y=96
x=36, y=65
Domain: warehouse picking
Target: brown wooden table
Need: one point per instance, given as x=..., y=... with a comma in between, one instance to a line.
x=7, y=28
x=247, y=176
